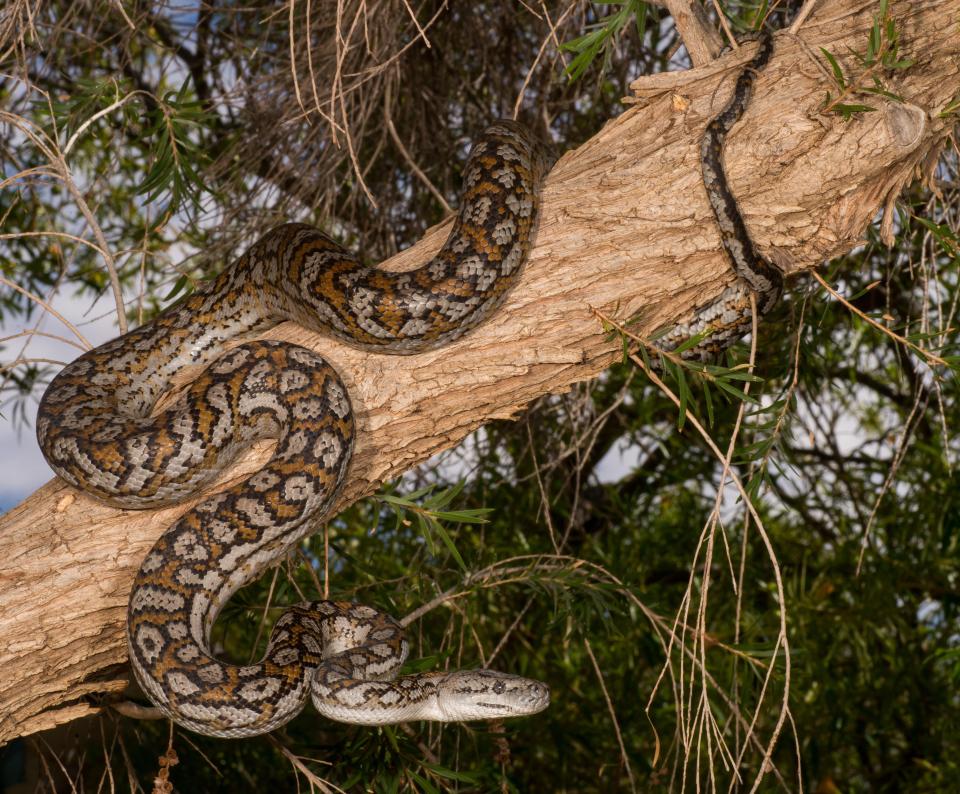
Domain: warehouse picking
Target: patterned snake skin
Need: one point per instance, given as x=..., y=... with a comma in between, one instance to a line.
x=729, y=317
x=95, y=429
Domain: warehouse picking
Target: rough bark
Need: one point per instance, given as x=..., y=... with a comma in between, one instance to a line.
x=625, y=227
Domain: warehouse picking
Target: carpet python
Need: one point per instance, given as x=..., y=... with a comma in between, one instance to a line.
x=729, y=318
x=96, y=430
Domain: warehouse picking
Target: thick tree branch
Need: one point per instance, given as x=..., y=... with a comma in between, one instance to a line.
x=625, y=227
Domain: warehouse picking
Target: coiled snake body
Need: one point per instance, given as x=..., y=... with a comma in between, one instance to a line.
x=95, y=428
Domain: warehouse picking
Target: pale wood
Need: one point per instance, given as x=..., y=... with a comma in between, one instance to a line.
x=699, y=36
x=626, y=227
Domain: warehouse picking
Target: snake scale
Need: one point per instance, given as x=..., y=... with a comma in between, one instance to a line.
x=95, y=427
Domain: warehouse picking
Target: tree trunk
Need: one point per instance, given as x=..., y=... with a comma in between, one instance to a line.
x=625, y=228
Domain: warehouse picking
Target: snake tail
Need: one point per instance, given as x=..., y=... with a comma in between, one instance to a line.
x=729, y=318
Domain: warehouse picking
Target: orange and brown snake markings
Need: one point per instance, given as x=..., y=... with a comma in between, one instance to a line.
x=96, y=430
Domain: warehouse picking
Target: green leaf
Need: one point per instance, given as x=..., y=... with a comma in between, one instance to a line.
x=953, y=106
x=645, y=356
x=873, y=42
x=837, y=71
x=735, y=392
x=899, y=63
x=425, y=784
x=448, y=542
x=684, y=395
x=450, y=774
x=177, y=288
x=692, y=342
x=589, y=45
x=708, y=399
x=849, y=110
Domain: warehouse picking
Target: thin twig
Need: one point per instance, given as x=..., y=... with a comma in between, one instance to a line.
x=613, y=714
x=47, y=307
x=108, y=259
x=417, y=171
x=782, y=639
x=309, y=774
x=543, y=46
x=926, y=354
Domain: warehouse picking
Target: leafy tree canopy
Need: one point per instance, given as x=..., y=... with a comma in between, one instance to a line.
x=596, y=543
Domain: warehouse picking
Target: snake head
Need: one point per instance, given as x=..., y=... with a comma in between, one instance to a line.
x=486, y=695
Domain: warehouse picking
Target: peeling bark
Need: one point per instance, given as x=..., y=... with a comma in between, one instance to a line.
x=625, y=227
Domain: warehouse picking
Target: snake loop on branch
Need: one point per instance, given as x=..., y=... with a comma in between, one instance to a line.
x=729, y=317
x=96, y=430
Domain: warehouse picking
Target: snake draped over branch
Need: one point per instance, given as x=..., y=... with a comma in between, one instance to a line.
x=95, y=427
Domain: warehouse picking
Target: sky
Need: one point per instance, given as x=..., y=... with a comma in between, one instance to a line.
x=22, y=467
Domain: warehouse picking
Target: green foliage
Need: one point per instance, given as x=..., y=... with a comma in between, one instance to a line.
x=176, y=159
x=88, y=97
x=604, y=35
x=430, y=515
x=952, y=108
x=570, y=544
x=169, y=131
x=881, y=55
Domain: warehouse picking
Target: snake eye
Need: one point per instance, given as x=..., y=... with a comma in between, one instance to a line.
x=499, y=687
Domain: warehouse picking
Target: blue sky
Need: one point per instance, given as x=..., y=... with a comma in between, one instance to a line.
x=22, y=467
